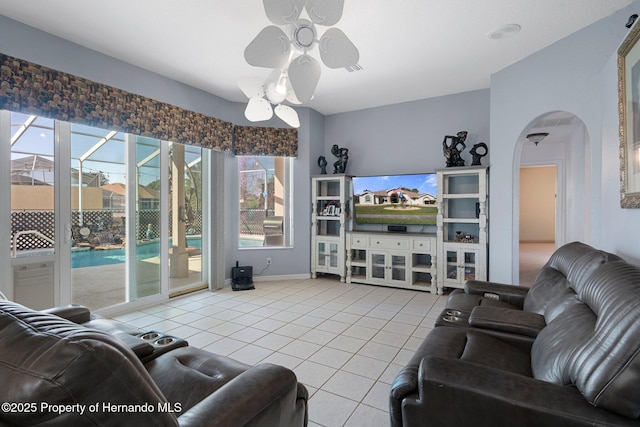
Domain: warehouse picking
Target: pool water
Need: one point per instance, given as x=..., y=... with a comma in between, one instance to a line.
x=144, y=250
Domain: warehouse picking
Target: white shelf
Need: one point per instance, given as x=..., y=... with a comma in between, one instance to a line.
x=461, y=196
x=461, y=220
x=328, y=231
x=460, y=261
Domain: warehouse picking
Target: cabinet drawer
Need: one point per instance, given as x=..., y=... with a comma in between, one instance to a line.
x=422, y=245
x=388, y=242
x=358, y=241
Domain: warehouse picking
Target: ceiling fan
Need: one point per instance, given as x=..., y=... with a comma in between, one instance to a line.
x=286, y=50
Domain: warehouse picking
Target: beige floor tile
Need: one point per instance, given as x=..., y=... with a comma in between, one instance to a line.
x=313, y=374
x=375, y=350
x=328, y=409
x=365, y=366
x=345, y=343
x=300, y=349
x=367, y=416
x=351, y=386
x=331, y=357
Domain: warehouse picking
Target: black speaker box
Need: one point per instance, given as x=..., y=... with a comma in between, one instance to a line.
x=242, y=278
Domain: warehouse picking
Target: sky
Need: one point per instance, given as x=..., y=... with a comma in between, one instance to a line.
x=38, y=139
x=425, y=183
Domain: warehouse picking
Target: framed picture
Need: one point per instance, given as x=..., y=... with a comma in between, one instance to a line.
x=629, y=114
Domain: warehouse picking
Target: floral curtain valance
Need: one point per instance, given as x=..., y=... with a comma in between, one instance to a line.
x=263, y=141
x=33, y=89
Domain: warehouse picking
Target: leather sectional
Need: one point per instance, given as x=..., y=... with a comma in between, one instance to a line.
x=563, y=353
x=66, y=367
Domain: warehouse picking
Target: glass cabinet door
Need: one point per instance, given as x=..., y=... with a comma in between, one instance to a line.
x=322, y=254
x=333, y=255
x=469, y=265
x=378, y=266
x=461, y=265
x=452, y=265
x=327, y=255
x=398, y=268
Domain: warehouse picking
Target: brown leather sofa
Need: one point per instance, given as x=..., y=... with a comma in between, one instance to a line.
x=567, y=264
x=501, y=309
x=65, y=367
x=581, y=369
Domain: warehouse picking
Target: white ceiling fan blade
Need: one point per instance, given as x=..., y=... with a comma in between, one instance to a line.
x=258, y=109
x=336, y=50
x=288, y=115
x=324, y=12
x=251, y=86
x=304, y=74
x=291, y=96
x=282, y=12
x=269, y=49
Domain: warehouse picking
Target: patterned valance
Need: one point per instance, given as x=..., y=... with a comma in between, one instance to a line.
x=33, y=89
x=262, y=141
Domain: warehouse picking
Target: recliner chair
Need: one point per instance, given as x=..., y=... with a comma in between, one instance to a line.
x=582, y=369
x=73, y=375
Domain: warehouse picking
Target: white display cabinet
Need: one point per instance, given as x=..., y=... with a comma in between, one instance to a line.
x=462, y=225
x=388, y=259
x=331, y=219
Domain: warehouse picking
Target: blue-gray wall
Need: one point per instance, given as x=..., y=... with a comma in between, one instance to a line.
x=576, y=75
x=407, y=137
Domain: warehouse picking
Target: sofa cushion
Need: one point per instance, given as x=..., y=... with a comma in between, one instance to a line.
x=594, y=344
x=188, y=374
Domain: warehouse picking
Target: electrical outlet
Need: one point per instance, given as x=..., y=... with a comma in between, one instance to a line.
x=269, y=260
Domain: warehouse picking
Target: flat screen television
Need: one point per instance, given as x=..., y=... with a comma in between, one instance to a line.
x=408, y=199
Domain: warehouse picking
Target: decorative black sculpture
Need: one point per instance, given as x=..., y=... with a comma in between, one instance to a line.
x=340, y=166
x=452, y=147
x=322, y=162
x=477, y=156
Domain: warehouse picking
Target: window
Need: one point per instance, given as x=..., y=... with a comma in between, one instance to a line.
x=264, y=190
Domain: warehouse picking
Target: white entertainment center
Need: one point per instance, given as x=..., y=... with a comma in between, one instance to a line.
x=452, y=251
x=401, y=260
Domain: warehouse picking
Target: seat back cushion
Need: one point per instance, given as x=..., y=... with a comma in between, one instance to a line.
x=569, y=264
x=594, y=344
x=52, y=361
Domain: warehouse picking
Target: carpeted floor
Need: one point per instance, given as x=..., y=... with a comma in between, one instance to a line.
x=532, y=257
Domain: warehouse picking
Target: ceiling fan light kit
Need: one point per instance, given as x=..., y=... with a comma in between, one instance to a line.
x=295, y=73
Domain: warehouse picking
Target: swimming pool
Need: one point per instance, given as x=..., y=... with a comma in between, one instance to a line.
x=144, y=250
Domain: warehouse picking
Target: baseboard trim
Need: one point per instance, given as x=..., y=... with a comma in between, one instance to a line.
x=227, y=282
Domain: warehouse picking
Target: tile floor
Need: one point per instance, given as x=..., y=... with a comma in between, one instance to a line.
x=346, y=343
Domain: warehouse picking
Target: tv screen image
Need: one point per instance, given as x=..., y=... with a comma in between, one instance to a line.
x=396, y=199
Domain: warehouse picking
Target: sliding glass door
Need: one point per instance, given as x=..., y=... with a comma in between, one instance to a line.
x=185, y=218
x=33, y=218
x=98, y=228
x=98, y=217
x=147, y=218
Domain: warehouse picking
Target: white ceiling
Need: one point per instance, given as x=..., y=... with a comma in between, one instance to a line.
x=409, y=49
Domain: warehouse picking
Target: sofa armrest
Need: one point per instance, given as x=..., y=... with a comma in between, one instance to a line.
x=74, y=313
x=507, y=320
x=492, y=397
x=263, y=395
x=512, y=294
x=140, y=347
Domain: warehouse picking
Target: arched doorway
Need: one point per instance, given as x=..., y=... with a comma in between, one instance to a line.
x=552, y=199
